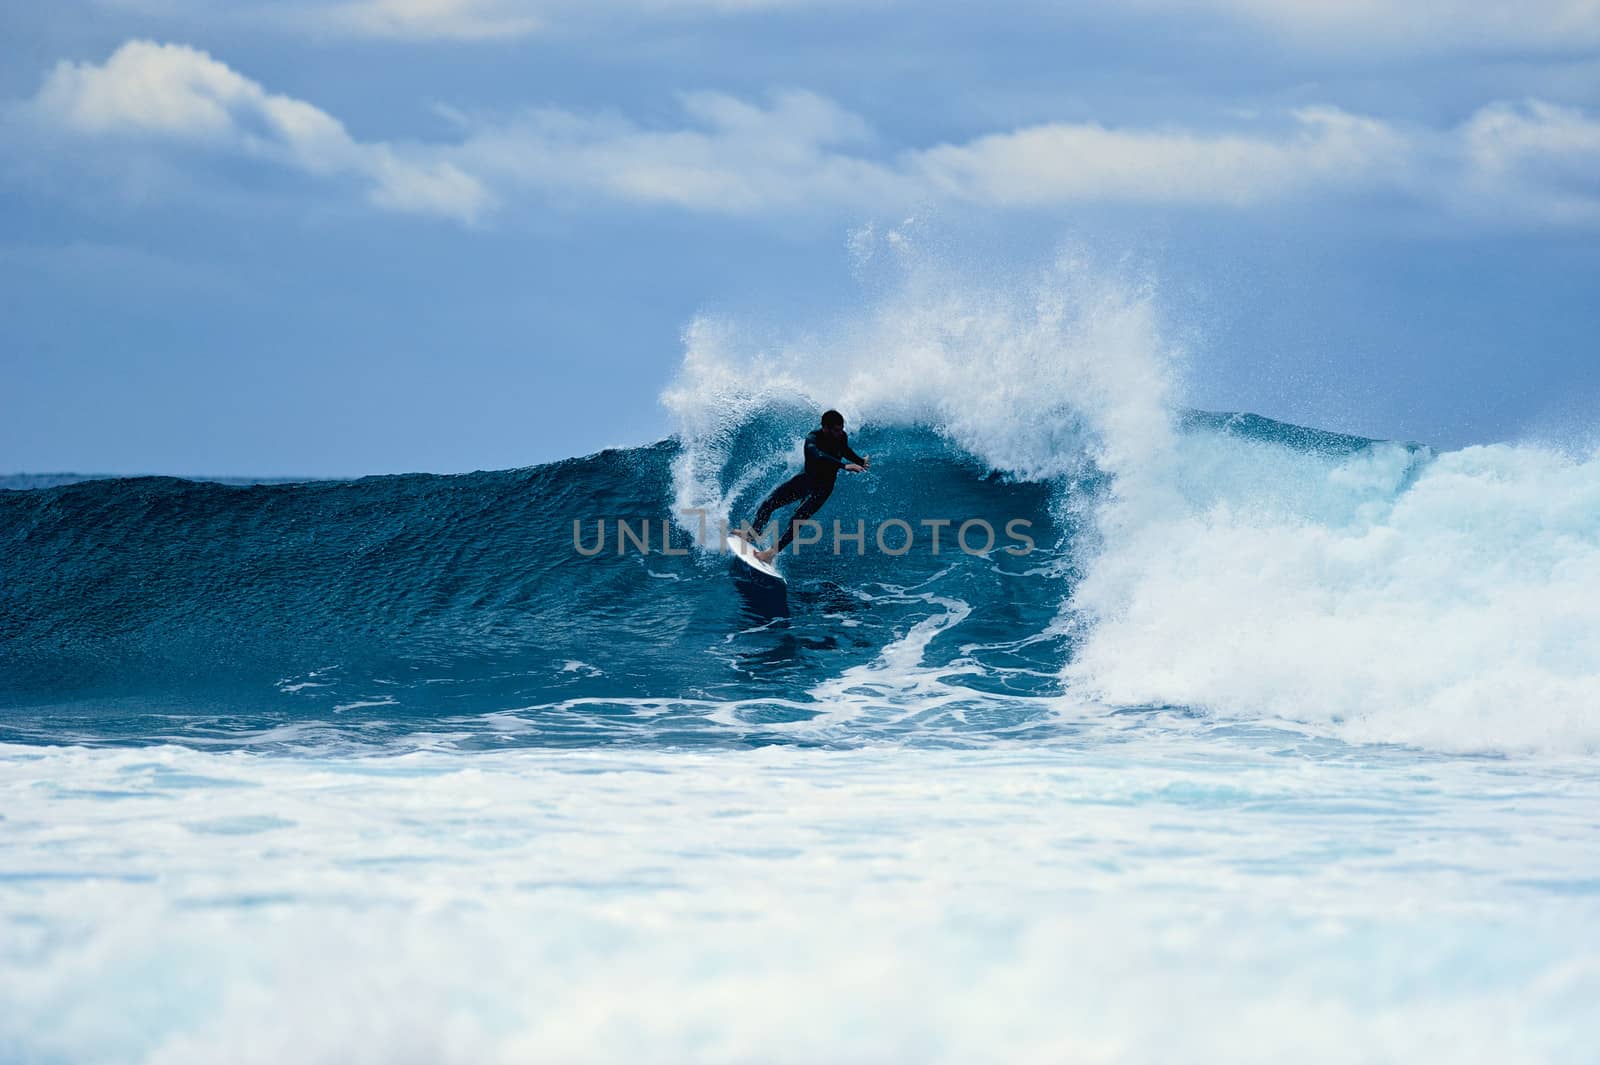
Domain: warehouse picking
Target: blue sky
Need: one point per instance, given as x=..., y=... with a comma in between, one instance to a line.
x=305, y=237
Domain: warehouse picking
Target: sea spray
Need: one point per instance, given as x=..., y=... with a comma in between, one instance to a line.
x=1042, y=378
x=1387, y=594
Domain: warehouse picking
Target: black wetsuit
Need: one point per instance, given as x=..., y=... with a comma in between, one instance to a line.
x=813, y=484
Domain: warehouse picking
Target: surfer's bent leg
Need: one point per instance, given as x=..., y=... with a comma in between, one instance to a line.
x=812, y=504
x=796, y=487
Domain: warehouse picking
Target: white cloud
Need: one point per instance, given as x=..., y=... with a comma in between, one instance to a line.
x=1514, y=164
x=1341, y=26
x=734, y=157
x=1416, y=25
x=1538, y=154
x=146, y=87
x=176, y=93
x=799, y=153
x=1075, y=162
x=460, y=20
x=425, y=186
x=731, y=156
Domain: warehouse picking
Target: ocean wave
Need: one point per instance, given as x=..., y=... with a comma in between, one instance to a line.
x=1188, y=569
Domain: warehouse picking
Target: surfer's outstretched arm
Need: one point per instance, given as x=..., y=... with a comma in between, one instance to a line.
x=849, y=461
x=816, y=454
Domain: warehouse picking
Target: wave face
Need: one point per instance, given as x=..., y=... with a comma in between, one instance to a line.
x=154, y=608
x=1191, y=570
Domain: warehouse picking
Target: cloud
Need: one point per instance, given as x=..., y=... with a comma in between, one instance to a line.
x=1060, y=163
x=799, y=153
x=145, y=87
x=1416, y=26
x=1341, y=26
x=176, y=94
x=1514, y=164
x=456, y=20
x=1540, y=155
x=731, y=157
x=805, y=152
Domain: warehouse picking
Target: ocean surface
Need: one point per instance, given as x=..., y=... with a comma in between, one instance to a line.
x=1279, y=744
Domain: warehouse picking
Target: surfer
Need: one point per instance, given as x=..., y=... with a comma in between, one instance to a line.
x=827, y=452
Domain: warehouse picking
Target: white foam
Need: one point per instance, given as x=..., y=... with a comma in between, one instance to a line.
x=1452, y=602
x=1146, y=902
x=362, y=704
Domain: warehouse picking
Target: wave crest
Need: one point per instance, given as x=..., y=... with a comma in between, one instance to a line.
x=1038, y=379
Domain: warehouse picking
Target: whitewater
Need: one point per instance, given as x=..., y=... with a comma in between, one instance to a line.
x=1280, y=743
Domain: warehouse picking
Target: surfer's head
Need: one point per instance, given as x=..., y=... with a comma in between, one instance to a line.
x=833, y=421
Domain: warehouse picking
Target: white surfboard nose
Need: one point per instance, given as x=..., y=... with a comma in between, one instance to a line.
x=745, y=552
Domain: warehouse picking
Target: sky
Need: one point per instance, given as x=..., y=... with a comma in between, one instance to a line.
x=339, y=237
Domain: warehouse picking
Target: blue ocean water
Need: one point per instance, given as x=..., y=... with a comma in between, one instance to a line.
x=1279, y=744
x=467, y=612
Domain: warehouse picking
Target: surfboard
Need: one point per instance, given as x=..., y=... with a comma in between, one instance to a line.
x=745, y=552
